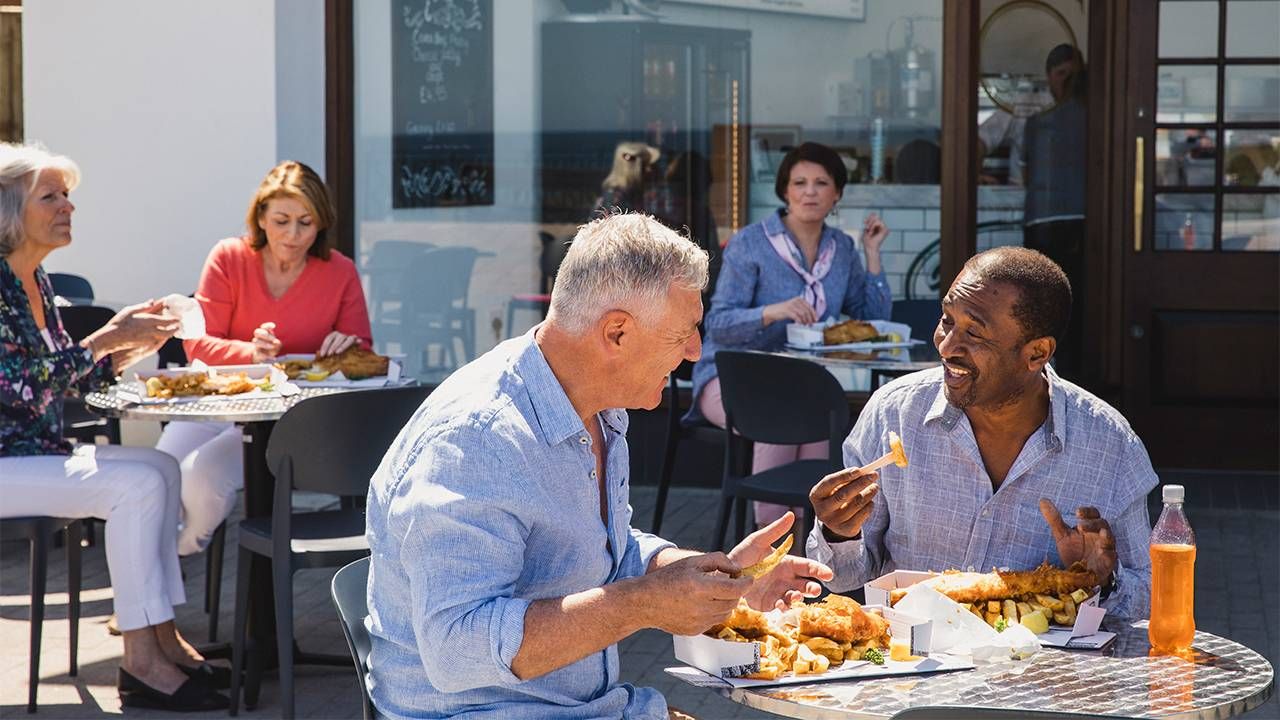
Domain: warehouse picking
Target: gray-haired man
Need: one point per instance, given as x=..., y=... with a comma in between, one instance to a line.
x=504, y=565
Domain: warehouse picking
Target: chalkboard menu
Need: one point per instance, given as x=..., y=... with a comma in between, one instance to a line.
x=442, y=103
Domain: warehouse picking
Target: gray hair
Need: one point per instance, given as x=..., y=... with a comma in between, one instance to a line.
x=626, y=261
x=20, y=167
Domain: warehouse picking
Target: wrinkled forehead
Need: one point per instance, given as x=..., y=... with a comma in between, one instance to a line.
x=972, y=292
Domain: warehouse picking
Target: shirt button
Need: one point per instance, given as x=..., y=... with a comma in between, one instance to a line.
x=583, y=440
x=593, y=474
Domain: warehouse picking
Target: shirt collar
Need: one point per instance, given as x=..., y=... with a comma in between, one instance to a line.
x=1055, y=424
x=773, y=225
x=556, y=416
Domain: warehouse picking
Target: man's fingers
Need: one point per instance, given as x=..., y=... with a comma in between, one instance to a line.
x=832, y=483
x=806, y=568
x=717, y=561
x=774, y=531
x=1054, y=518
x=856, y=494
x=1106, y=540
x=1087, y=512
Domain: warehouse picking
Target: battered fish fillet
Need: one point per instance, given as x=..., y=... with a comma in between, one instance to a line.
x=968, y=587
x=841, y=619
x=355, y=362
x=747, y=622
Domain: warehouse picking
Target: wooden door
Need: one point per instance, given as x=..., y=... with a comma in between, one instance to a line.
x=1201, y=266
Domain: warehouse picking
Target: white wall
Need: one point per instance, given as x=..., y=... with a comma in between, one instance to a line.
x=174, y=112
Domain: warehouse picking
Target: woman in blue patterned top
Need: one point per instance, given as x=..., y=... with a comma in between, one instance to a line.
x=134, y=489
x=789, y=267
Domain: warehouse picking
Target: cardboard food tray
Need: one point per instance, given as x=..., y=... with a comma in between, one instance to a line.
x=1084, y=635
x=723, y=662
x=391, y=378
x=135, y=391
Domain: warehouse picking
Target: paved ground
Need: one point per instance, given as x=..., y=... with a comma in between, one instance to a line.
x=1237, y=526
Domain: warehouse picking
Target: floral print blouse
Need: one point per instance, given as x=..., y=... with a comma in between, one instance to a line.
x=33, y=379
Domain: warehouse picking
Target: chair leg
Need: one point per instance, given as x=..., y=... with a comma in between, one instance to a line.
x=740, y=508
x=73, y=593
x=511, y=317
x=726, y=504
x=238, y=639
x=664, y=482
x=88, y=539
x=282, y=582
x=39, y=568
x=213, y=578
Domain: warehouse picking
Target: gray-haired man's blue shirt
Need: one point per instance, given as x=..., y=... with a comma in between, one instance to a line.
x=486, y=502
x=940, y=511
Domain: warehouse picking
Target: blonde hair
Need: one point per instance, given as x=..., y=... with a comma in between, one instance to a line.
x=20, y=168
x=296, y=180
x=627, y=261
x=629, y=162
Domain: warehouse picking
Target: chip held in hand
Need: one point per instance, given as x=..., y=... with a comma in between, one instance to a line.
x=771, y=561
x=899, y=453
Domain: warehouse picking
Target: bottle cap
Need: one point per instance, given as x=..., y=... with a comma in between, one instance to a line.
x=1173, y=493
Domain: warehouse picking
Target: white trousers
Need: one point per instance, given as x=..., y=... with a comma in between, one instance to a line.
x=136, y=491
x=212, y=460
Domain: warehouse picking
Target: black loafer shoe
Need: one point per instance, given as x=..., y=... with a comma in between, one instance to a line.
x=194, y=695
x=217, y=677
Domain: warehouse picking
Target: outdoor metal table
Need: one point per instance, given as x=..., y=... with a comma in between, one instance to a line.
x=256, y=417
x=1220, y=679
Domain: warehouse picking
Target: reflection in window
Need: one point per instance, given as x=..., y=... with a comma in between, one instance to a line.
x=1251, y=222
x=1188, y=29
x=1185, y=157
x=1187, y=93
x=1184, y=221
x=1252, y=93
x=1252, y=28
x=1252, y=158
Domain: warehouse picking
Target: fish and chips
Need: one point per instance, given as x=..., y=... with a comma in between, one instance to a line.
x=1033, y=598
x=202, y=383
x=808, y=639
x=355, y=363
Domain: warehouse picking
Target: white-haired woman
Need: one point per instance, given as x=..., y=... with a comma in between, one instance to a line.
x=134, y=489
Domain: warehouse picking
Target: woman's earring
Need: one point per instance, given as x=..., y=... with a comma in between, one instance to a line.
x=835, y=214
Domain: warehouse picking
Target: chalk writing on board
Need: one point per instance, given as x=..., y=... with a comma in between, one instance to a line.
x=442, y=88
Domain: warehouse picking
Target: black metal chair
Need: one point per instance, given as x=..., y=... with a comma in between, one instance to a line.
x=78, y=422
x=329, y=444
x=37, y=531
x=73, y=288
x=676, y=432
x=349, y=589
x=780, y=400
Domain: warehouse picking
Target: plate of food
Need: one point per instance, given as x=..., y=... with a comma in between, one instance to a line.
x=353, y=367
x=833, y=639
x=199, y=382
x=855, y=335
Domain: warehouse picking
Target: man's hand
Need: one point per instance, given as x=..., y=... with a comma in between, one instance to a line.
x=690, y=595
x=844, y=499
x=1090, y=541
x=792, y=579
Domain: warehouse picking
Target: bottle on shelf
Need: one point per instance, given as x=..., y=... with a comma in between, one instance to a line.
x=1173, y=564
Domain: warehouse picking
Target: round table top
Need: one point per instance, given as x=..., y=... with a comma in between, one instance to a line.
x=203, y=410
x=895, y=360
x=1220, y=679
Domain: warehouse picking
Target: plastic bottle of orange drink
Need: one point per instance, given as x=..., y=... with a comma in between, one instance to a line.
x=1173, y=566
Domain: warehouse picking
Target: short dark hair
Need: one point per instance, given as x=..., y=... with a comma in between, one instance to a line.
x=1044, y=292
x=814, y=153
x=1064, y=53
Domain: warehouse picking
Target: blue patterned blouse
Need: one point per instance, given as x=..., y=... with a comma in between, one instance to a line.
x=33, y=379
x=754, y=276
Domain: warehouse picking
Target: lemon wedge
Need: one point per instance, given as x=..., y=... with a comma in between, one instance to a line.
x=315, y=375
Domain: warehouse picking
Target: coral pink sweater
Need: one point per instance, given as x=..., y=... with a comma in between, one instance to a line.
x=233, y=293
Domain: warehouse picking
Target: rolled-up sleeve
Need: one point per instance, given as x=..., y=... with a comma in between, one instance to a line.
x=462, y=550
x=732, y=319
x=642, y=547
x=1132, y=531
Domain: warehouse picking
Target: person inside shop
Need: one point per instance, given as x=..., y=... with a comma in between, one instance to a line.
x=789, y=267
x=41, y=474
x=1054, y=215
x=504, y=566
x=626, y=187
x=996, y=443
x=280, y=288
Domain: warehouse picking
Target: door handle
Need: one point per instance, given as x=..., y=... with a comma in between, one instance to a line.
x=1139, y=190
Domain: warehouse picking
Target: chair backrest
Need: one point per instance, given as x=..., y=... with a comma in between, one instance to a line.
x=553, y=252
x=72, y=287
x=967, y=712
x=333, y=443
x=390, y=254
x=82, y=320
x=781, y=400
x=439, y=280
x=349, y=589
x=921, y=315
